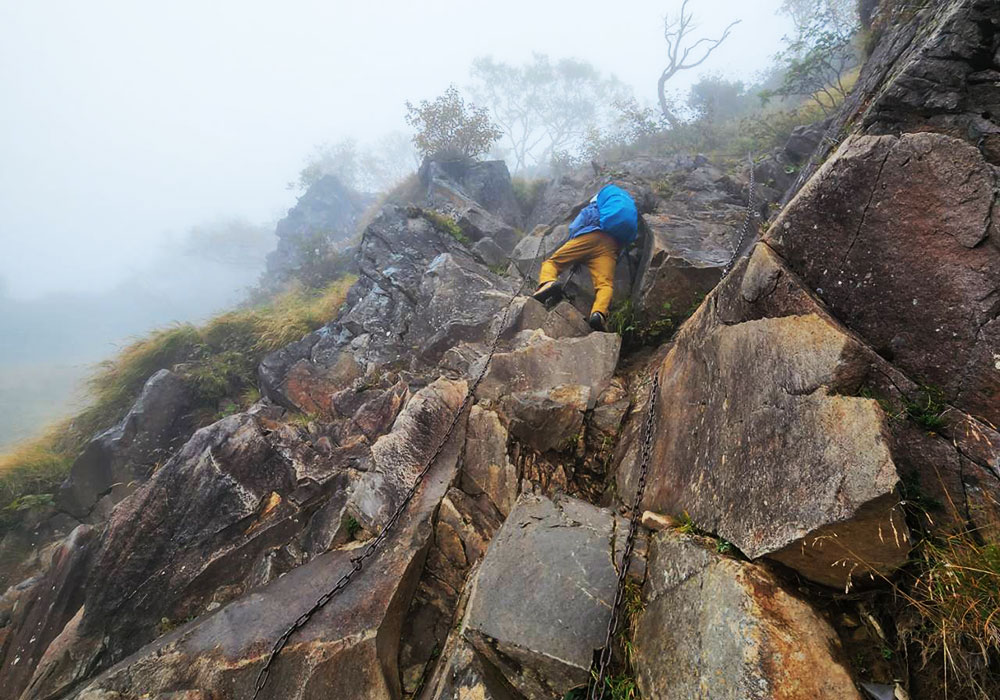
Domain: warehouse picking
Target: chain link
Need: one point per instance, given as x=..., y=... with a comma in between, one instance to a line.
x=746, y=221
x=598, y=688
x=358, y=562
x=599, y=685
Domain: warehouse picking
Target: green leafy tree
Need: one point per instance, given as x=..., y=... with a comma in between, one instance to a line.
x=448, y=128
x=840, y=16
x=545, y=108
x=815, y=60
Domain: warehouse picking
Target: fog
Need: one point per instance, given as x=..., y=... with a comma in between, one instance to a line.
x=126, y=124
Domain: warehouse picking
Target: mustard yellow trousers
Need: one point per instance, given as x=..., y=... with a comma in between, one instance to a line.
x=599, y=252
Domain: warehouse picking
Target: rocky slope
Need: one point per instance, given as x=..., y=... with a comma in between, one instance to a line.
x=179, y=558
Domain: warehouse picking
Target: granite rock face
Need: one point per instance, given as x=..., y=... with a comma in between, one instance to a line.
x=898, y=237
x=762, y=438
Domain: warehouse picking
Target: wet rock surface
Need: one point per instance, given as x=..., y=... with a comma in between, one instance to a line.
x=352, y=644
x=126, y=454
x=784, y=425
x=779, y=448
x=542, y=638
x=897, y=236
x=716, y=628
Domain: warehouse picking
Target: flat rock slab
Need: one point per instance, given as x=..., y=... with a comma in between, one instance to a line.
x=539, y=363
x=761, y=437
x=714, y=628
x=542, y=598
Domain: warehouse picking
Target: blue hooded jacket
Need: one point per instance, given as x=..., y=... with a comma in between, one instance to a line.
x=612, y=211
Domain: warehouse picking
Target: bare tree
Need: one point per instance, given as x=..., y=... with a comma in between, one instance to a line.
x=676, y=31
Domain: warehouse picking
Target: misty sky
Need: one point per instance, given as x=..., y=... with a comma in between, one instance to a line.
x=123, y=122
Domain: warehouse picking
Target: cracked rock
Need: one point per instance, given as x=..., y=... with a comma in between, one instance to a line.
x=542, y=637
x=714, y=628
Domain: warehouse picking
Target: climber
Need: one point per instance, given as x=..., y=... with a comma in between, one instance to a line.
x=597, y=235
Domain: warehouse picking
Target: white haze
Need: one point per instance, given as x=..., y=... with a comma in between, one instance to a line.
x=125, y=124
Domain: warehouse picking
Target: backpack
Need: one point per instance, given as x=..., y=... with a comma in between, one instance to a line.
x=619, y=216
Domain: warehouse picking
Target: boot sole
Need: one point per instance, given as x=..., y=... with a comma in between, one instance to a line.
x=549, y=292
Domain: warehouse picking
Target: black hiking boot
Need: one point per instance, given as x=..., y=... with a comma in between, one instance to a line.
x=598, y=323
x=549, y=290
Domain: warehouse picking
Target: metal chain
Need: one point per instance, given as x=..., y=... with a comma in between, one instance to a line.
x=598, y=688
x=746, y=221
x=358, y=562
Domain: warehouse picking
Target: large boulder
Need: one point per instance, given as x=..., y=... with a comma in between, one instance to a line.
x=693, y=229
x=116, y=460
x=485, y=183
x=542, y=638
x=767, y=433
x=720, y=629
x=759, y=438
x=538, y=363
x=899, y=237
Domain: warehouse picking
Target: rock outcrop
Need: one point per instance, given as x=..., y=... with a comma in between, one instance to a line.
x=325, y=216
x=714, y=628
x=898, y=236
x=115, y=461
x=542, y=638
x=828, y=402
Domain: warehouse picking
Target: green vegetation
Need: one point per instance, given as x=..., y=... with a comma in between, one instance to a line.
x=219, y=359
x=927, y=408
x=449, y=129
x=353, y=526
x=626, y=320
x=527, y=191
x=445, y=224
x=955, y=593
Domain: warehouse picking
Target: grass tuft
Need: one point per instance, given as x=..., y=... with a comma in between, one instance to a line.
x=447, y=225
x=955, y=593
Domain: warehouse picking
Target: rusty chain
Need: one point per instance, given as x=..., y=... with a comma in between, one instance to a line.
x=598, y=688
x=746, y=221
x=599, y=685
x=358, y=562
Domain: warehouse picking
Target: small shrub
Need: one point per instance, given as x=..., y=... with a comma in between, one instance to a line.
x=447, y=225
x=449, y=129
x=624, y=319
x=353, y=526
